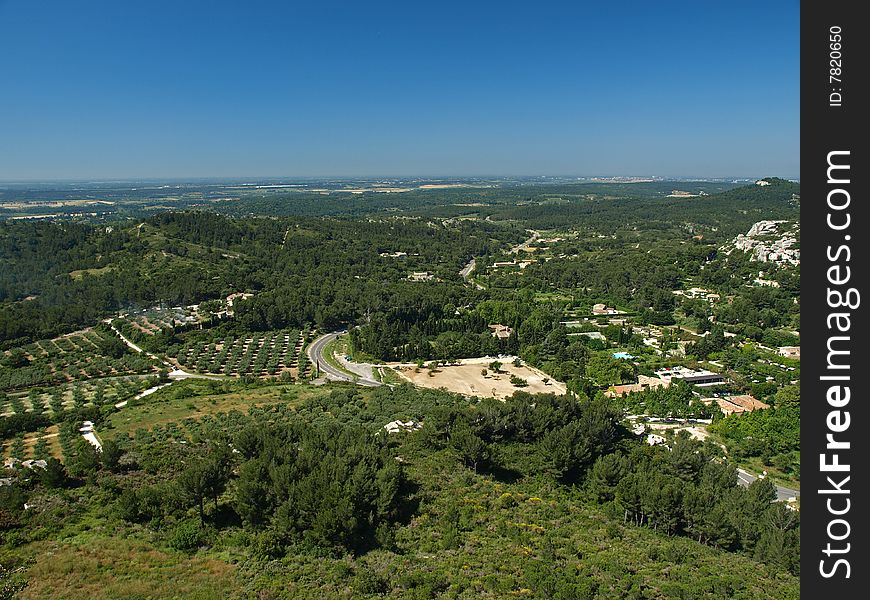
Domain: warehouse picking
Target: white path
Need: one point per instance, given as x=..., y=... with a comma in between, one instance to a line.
x=144, y=393
x=176, y=372
x=87, y=431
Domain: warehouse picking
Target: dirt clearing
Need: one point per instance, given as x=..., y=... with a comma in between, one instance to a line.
x=466, y=377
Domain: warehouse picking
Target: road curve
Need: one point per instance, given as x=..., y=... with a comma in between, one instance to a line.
x=745, y=478
x=316, y=356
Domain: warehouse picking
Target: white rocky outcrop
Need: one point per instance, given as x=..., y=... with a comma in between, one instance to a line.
x=781, y=249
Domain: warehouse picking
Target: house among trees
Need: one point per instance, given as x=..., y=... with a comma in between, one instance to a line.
x=643, y=383
x=238, y=296
x=700, y=377
x=765, y=282
x=501, y=332
x=420, y=276
x=603, y=309
x=790, y=352
x=231, y=300
x=696, y=292
x=522, y=264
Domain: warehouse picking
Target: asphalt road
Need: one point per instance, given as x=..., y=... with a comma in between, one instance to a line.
x=524, y=245
x=467, y=269
x=745, y=478
x=316, y=356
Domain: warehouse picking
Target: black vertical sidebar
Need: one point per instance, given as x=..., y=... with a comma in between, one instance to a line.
x=835, y=421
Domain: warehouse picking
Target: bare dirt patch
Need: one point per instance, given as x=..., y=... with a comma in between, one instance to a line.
x=466, y=377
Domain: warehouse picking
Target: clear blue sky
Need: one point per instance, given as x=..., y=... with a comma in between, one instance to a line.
x=188, y=88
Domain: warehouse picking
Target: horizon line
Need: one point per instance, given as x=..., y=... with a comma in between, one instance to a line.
x=222, y=178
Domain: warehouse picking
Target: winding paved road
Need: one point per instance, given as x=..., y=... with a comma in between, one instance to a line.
x=316, y=356
x=745, y=478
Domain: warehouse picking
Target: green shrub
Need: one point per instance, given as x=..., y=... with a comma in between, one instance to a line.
x=367, y=581
x=187, y=536
x=269, y=545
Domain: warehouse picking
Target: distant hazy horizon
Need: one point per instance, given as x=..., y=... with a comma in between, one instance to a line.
x=250, y=180
x=166, y=90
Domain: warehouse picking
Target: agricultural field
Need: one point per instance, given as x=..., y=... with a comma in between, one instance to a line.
x=257, y=354
x=87, y=354
x=35, y=445
x=78, y=394
x=152, y=320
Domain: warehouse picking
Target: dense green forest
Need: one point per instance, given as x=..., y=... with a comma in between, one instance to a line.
x=63, y=276
x=59, y=276
x=496, y=490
